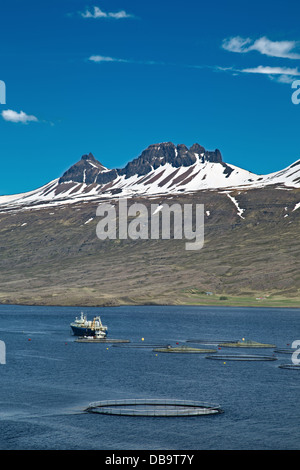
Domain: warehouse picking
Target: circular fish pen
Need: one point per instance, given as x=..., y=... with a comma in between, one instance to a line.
x=290, y=366
x=94, y=339
x=153, y=408
x=184, y=350
x=246, y=344
x=284, y=351
x=140, y=345
x=241, y=357
x=210, y=341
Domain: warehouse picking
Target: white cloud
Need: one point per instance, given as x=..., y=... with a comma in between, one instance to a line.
x=236, y=44
x=279, y=74
x=287, y=79
x=272, y=70
x=101, y=58
x=98, y=13
x=119, y=15
x=263, y=45
x=14, y=116
x=282, y=49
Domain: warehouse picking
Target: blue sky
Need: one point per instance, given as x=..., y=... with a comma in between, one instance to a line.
x=112, y=77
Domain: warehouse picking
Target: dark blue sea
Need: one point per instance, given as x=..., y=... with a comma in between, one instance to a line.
x=49, y=379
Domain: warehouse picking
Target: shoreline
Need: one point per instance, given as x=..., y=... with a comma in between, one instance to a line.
x=273, y=304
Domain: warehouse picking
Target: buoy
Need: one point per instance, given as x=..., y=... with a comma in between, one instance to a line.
x=224, y=362
x=142, y=339
x=29, y=339
x=243, y=339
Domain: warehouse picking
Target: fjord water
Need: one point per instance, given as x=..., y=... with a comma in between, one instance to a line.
x=48, y=379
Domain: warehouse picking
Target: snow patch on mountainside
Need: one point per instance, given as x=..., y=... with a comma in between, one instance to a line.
x=239, y=210
x=296, y=206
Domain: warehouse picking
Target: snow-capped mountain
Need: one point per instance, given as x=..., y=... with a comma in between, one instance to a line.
x=161, y=169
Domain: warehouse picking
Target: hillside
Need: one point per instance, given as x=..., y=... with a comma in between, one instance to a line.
x=50, y=255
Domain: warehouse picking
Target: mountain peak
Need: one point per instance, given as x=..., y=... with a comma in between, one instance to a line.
x=196, y=148
x=90, y=156
x=84, y=171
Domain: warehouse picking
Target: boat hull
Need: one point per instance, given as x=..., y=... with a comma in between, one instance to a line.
x=83, y=331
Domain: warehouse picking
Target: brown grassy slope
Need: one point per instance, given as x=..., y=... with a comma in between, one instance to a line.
x=57, y=259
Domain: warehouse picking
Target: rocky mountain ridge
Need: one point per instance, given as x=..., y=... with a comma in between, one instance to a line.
x=161, y=169
x=155, y=156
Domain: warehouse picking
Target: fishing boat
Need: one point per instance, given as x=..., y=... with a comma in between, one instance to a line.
x=83, y=327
